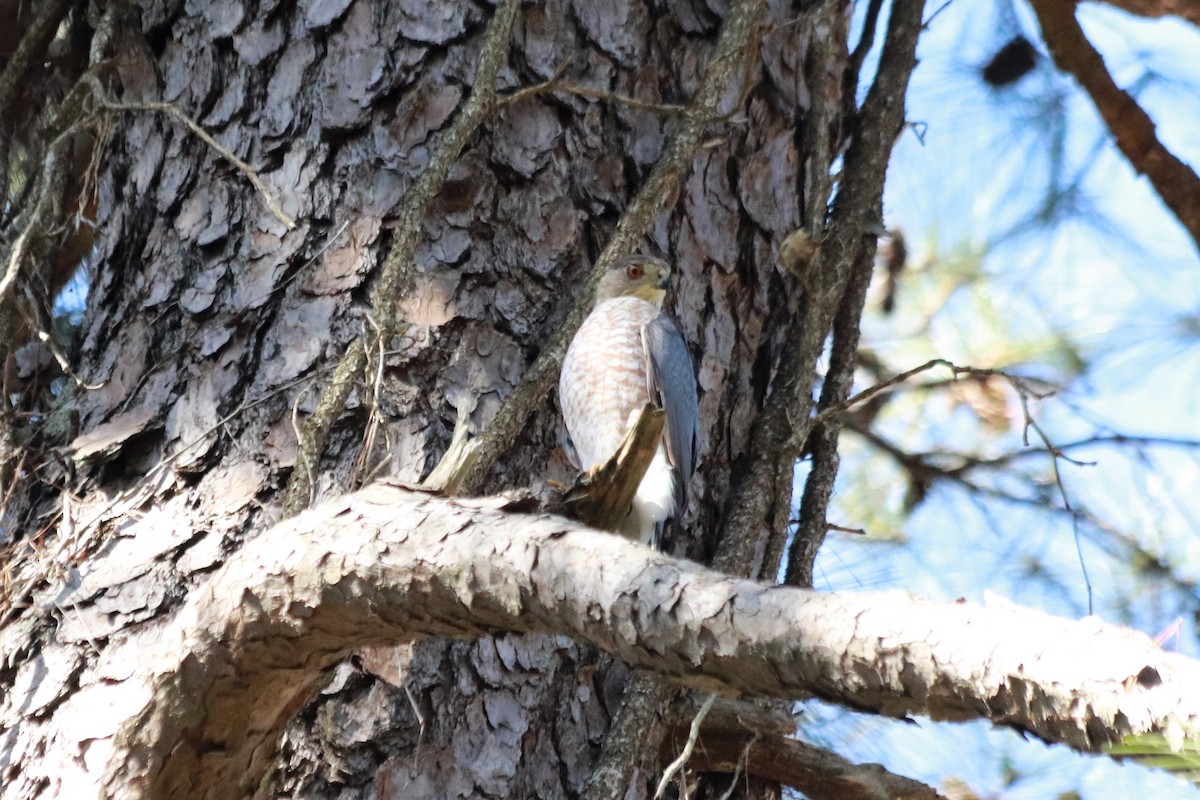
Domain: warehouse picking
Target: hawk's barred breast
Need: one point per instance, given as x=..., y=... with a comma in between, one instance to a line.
x=604, y=377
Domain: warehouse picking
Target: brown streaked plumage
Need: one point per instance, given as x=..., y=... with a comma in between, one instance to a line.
x=627, y=353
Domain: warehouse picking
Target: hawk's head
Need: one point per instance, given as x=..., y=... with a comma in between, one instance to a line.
x=645, y=277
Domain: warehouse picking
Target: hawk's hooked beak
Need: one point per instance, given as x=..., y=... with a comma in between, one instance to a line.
x=664, y=281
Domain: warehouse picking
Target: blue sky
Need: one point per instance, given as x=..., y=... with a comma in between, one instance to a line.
x=1110, y=280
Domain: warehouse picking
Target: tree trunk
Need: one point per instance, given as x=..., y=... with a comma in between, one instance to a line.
x=213, y=330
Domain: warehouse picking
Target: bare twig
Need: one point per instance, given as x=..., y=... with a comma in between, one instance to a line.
x=51, y=179
x=1057, y=454
x=922, y=470
x=742, y=761
x=171, y=110
x=14, y=258
x=867, y=394
x=512, y=98
x=972, y=462
x=360, y=474
x=1019, y=382
x=555, y=83
x=936, y=12
x=567, y=87
x=315, y=430
x=693, y=737
x=64, y=363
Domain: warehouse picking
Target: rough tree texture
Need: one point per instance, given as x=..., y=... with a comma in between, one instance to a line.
x=387, y=565
x=212, y=329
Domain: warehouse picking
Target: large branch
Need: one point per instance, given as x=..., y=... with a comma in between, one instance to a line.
x=1184, y=9
x=388, y=565
x=1175, y=182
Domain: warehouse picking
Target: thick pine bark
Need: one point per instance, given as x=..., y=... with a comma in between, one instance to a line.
x=387, y=565
x=166, y=626
x=212, y=328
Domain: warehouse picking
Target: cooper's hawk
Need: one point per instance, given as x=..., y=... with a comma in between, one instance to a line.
x=626, y=354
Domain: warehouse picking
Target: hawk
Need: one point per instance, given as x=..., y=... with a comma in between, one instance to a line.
x=627, y=353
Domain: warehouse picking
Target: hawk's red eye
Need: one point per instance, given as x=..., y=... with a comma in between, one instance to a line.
x=634, y=272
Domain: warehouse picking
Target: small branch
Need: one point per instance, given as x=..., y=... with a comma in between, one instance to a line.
x=870, y=392
x=16, y=254
x=816, y=772
x=51, y=180
x=64, y=364
x=1184, y=9
x=1175, y=182
x=821, y=128
x=310, y=439
x=512, y=98
x=224, y=152
x=567, y=87
x=38, y=223
x=1020, y=383
x=636, y=727
x=865, y=42
x=732, y=714
x=737, y=770
x=782, y=426
x=445, y=475
x=922, y=471
x=1057, y=454
x=393, y=278
x=823, y=437
x=973, y=462
x=688, y=748
x=819, y=136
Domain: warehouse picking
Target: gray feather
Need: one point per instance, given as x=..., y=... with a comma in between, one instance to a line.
x=673, y=386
